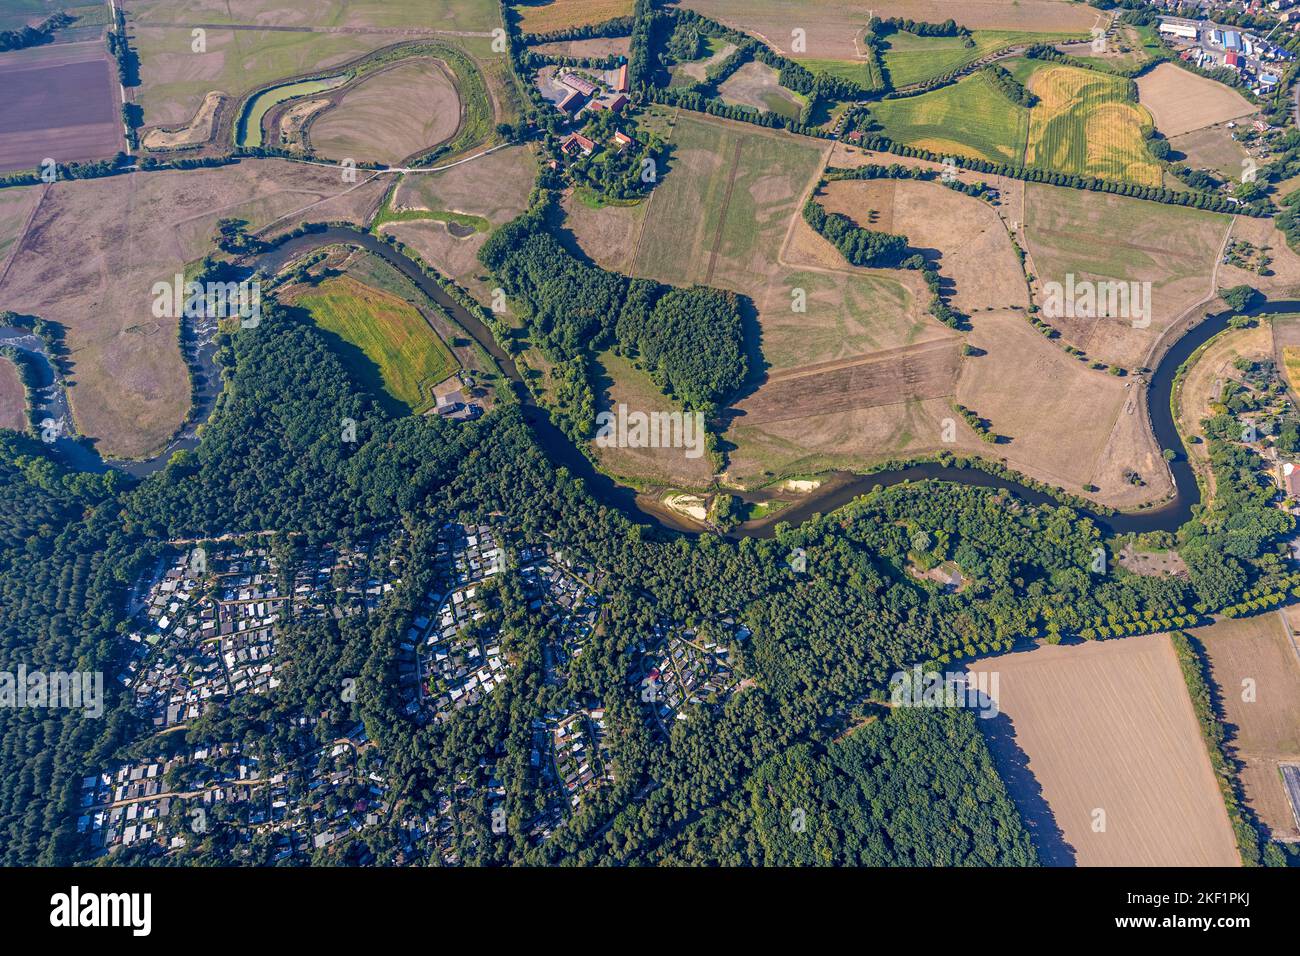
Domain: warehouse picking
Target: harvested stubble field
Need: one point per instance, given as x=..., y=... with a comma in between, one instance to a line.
x=1101, y=236
x=1109, y=727
x=422, y=197
x=61, y=102
x=579, y=49
x=16, y=206
x=1256, y=671
x=968, y=118
x=835, y=26
x=374, y=120
x=13, y=398
x=548, y=16
x=1070, y=425
x=1082, y=124
x=1263, y=234
x=1180, y=101
x=400, y=353
x=96, y=247
x=963, y=235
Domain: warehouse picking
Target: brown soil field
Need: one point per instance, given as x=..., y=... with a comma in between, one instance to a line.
x=391, y=114
x=13, y=398
x=891, y=377
x=595, y=47
x=287, y=123
x=1107, y=728
x=963, y=235
x=194, y=133
x=1255, y=658
x=1211, y=147
x=61, y=102
x=1181, y=101
x=542, y=16
x=1102, y=237
x=1080, y=426
x=460, y=189
x=617, y=382
x=96, y=247
x=834, y=26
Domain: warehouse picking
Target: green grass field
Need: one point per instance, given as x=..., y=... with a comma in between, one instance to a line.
x=861, y=72
x=399, y=352
x=968, y=118
x=912, y=59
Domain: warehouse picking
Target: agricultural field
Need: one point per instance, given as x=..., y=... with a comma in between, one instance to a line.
x=62, y=103
x=1281, y=276
x=445, y=217
x=1255, y=667
x=1286, y=348
x=967, y=240
x=1098, y=236
x=756, y=85
x=1102, y=753
x=1127, y=47
x=16, y=206
x=175, y=81
x=912, y=59
x=1068, y=425
x=13, y=398
x=94, y=250
x=594, y=47
x=1083, y=124
x=373, y=120
x=400, y=353
x=968, y=118
x=618, y=382
x=1180, y=101
x=428, y=15
x=834, y=27
x=549, y=16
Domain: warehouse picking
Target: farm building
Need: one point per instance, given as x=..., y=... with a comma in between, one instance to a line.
x=1184, y=31
x=1233, y=60
x=620, y=81
x=575, y=82
x=1232, y=40
x=576, y=142
x=572, y=102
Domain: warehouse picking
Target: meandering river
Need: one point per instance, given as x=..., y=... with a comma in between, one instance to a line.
x=837, y=489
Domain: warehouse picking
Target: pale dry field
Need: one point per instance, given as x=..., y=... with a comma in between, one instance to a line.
x=607, y=234
x=462, y=189
x=96, y=247
x=1212, y=147
x=1103, y=237
x=422, y=15
x=1180, y=101
x=16, y=206
x=1108, y=726
x=1069, y=425
x=834, y=26
x=1284, y=283
x=1264, y=731
x=374, y=120
x=973, y=247
x=594, y=47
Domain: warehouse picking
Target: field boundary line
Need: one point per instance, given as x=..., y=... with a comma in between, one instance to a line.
x=722, y=214
x=22, y=236
x=1290, y=634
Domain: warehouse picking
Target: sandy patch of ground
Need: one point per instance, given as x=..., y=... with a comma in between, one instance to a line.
x=195, y=133
x=13, y=398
